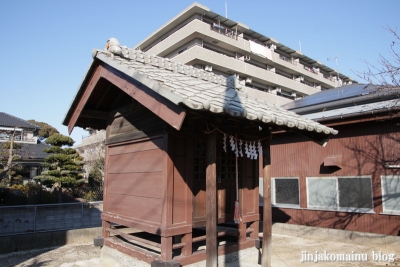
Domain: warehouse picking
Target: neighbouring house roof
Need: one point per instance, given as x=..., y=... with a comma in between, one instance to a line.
x=186, y=86
x=348, y=101
x=7, y=120
x=31, y=152
x=345, y=97
x=356, y=110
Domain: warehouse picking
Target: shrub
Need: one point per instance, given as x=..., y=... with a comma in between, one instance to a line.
x=4, y=195
x=17, y=197
x=47, y=198
x=90, y=196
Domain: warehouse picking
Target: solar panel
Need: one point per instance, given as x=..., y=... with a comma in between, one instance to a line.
x=329, y=95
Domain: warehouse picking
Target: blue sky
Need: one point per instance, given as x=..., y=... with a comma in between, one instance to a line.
x=47, y=45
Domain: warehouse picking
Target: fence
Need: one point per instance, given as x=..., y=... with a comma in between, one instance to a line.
x=88, y=193
x=29, y=219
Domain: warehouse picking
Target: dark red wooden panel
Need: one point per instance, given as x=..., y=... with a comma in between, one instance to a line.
x=136, y=147
x=144, y=161
x=136, y=184
x=141, y=208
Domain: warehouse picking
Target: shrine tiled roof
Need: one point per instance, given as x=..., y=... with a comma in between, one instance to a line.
x=202, y=90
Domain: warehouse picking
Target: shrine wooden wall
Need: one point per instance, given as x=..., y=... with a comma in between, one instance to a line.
x=134, y=184
x=250, y=190
x=135, y=168
x=180, y=147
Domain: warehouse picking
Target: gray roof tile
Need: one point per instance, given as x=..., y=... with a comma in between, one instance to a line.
x=198, y=89
x=31, y=151
x=8, y=120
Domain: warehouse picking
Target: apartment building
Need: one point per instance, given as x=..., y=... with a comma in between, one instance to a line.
x=204, y=39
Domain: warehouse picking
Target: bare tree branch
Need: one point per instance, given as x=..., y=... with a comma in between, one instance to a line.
x=387, y=73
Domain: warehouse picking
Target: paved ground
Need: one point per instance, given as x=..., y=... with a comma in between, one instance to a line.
x=290, y=251
x=286, y=251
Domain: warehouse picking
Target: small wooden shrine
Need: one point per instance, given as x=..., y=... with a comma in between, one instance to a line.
x=183, y=154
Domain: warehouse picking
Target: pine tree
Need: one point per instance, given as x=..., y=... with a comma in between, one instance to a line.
x=63, y=166
x=45, y=131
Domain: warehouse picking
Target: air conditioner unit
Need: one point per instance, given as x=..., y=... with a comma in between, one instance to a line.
x=278, y=89
x=249, y=80
x=208, y=68
x=246, y=58
x=293, y=94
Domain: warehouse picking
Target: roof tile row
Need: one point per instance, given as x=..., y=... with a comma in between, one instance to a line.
x=199, y=89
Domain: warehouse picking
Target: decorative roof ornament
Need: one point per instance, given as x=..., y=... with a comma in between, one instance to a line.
x=233, y=82
x=113, y=46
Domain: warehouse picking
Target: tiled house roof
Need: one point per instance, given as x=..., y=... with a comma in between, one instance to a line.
x=31, y=152
x=34, y=151
x=7, y=120
x=28, y=152
x=202, y=90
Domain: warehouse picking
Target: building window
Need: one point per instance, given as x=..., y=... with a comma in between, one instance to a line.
x=391, y=194
x=352, y=194
x=285, y=192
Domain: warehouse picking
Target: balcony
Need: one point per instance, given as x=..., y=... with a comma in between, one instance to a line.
x=224, y=31
x=4, y=137
x=243, y=68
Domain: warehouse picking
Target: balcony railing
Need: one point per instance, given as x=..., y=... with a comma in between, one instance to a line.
x=224, y=31
x=20, y=139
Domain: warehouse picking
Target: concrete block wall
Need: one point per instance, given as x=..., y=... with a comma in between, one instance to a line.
x=15, y=243
x=31, y=219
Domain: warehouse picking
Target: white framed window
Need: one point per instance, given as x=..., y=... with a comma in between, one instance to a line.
x=390, y=185
x=346, y=193
x=285, y=192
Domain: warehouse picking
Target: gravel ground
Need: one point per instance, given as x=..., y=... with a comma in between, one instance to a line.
x=286, y=251
x=84, y=254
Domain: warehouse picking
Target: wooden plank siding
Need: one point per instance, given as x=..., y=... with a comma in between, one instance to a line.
x=135, y=180
x=156, y=182
x=364, y=148
x=249, y=188
x=130, y=120
x=182, y=176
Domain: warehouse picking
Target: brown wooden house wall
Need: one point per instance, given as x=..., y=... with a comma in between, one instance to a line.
x=364, y=148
